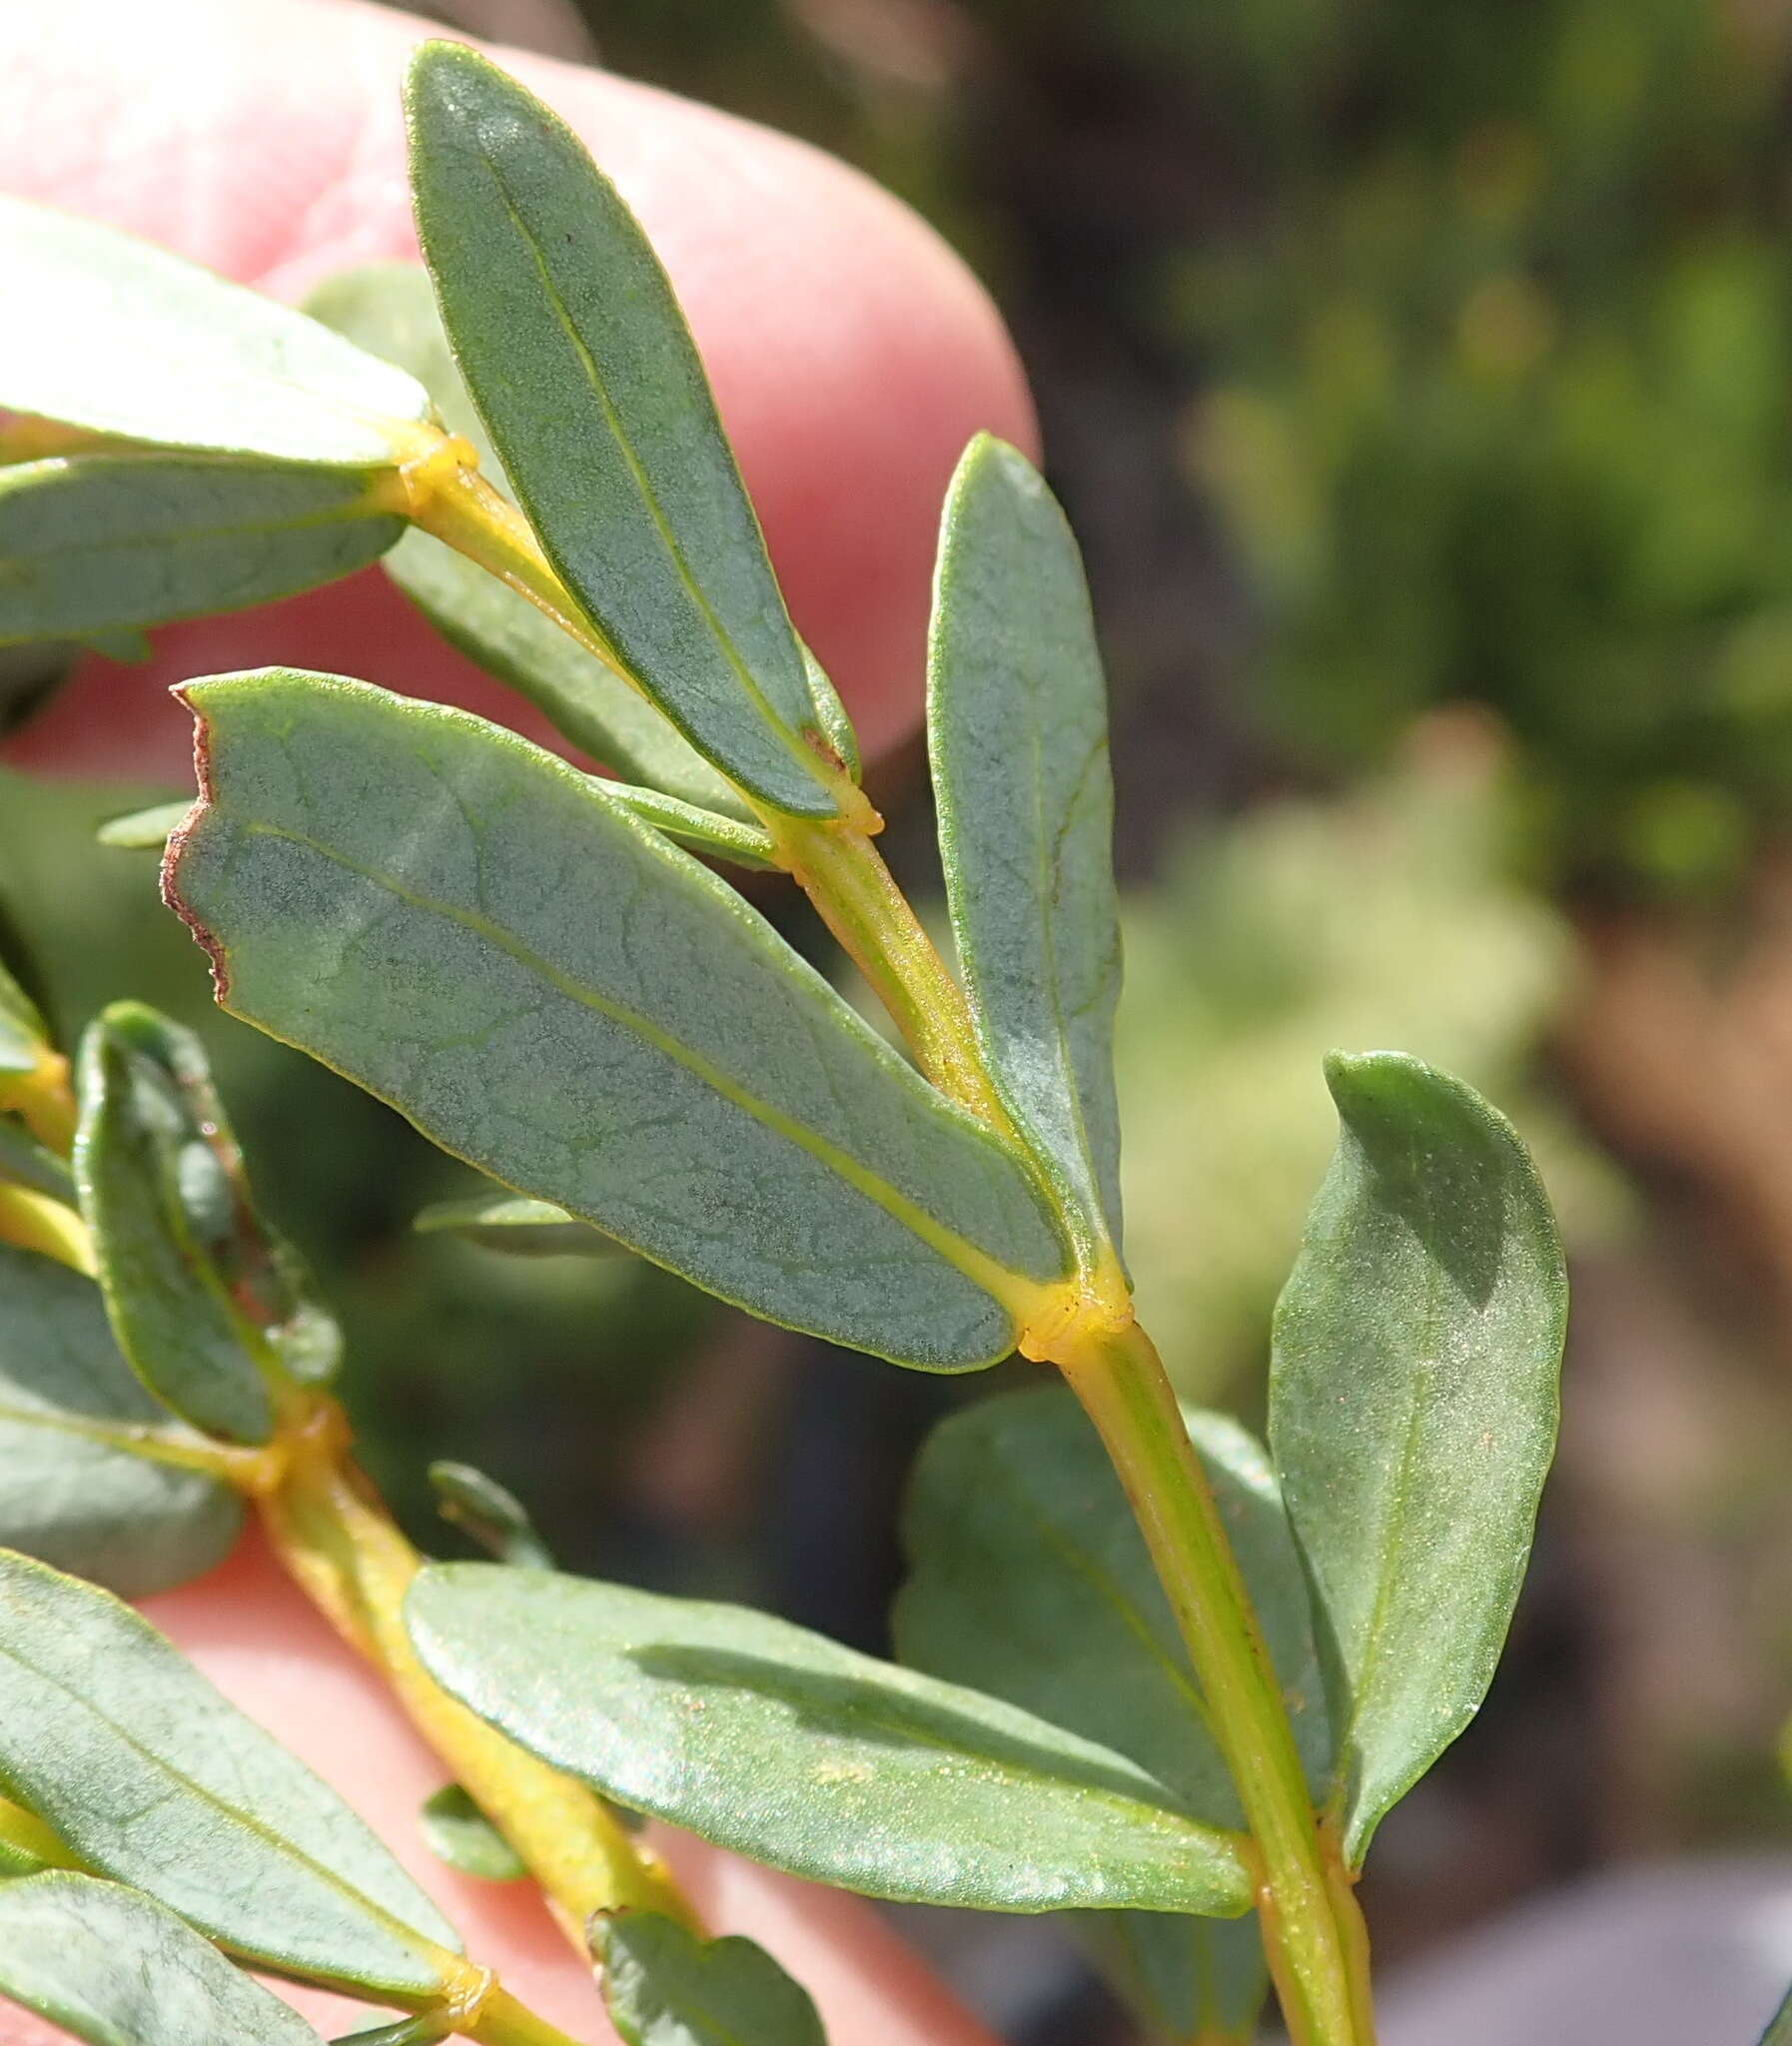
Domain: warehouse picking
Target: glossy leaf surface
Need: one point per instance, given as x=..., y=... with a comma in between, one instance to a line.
x=104, y=542
x=389, y=310
x=490, y=1513
x=388, y=885
x=461, y=1834
x=793, y=1751
x=70, y=1495
x=151, y=1777
x=1017, y=726
x=115, y=1968
x=1413, y=1411
x=112, y=334
x=662, y=1986
x=573, y=347
x=517, y=1224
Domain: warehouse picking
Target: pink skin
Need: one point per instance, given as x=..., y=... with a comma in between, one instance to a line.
x=853, y=356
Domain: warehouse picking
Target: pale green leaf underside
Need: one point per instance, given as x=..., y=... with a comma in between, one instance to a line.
x=701, y=831
x=139, y=1160
x=472, y=931
x=389, y=310
x=143, y=830
x=461, y=1834
x=115, y=1968
x=1017, y=726
x=148, y=1775
x=114, y=335
x=662, y=1986
x=69, y=1495
x=572, y=344
x=515, y=1224
x=794, y=1751
x=99, y=542
x=1413, y=1411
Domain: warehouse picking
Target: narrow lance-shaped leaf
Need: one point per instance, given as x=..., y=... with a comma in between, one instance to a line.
x=461, y=1834
x=514, y=1224
x=151, y=1776
x=24, y=1036
x=388, y=885
x=793, y=1751
x=25, y=1161
x=209, y=1305
x=1779, y=2028
x=1017, y=726
x=1028, y=1577
x=72, y=1491
x=701, y=831
x=490, y=1513
x=662, y=1986
x=115, y=1968
x=575, y=350
x=114, y=335
x=1413, y=1411
x=105, y=542
x=389, y=310
x=143, y=830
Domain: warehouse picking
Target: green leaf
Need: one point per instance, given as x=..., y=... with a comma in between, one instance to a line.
x=490, y=1513
x=24, y=1036
x=110, y=333
x=25, y=1161
x=1779, y=2030
x=1028, y=1578
x=700, y=831
x=148, y=1775
x=514, y=1224
x=662, y=1986
x=386, y=884
x=116, y=1968
x=72, y=1492
x=389, y=310
x=793, y=1751
x=110, y=541
x=143, y=830
x=461, y=1834
x=573, y=347
x=1188, y=1981
x=1413, y=1411
x=206, y=1301
x=1017, y=726
x=422, y=2030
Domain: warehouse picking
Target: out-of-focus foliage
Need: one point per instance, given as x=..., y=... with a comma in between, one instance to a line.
x=1378, y=919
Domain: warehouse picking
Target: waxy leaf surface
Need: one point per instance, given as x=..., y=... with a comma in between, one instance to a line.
x=115, y=1968
x=389, y=310
x=100, y=542
x=1028, y=1578
x=573, y=347
x=70, y=1494
x=472, y=931
x=662, y=1986
x=1413, y=1411
x=794, y=1751
x=1017, y=726
x=148, y=1775
x=115, y=334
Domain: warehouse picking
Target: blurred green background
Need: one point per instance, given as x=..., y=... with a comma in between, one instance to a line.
x=1418, y=379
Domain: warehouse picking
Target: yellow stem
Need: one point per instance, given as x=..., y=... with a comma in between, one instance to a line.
x=36, y=1222
x=350, y=1557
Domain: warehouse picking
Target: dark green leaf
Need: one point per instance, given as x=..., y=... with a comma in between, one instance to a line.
x=110, y=333
x=103, y=542
x=1188, y=1981
x=461, y=1834
x=1017, y=724
x=662, y=1986
x=701, y=831
x=794, y=1751
x=572, y=344
x=422, y=2030
x=72, y=1492
x=151, y=1777
x=116, y=1968
x=517, y=1224
x=387, y=884
x=1413, y=1411
x=389, y=310
x=25, y=1161
x=490, y=1513
x=143, y=830
x=208, y=1308
x=1029, y=1579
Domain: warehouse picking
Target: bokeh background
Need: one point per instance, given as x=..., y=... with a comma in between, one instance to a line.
x=1419, y=378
